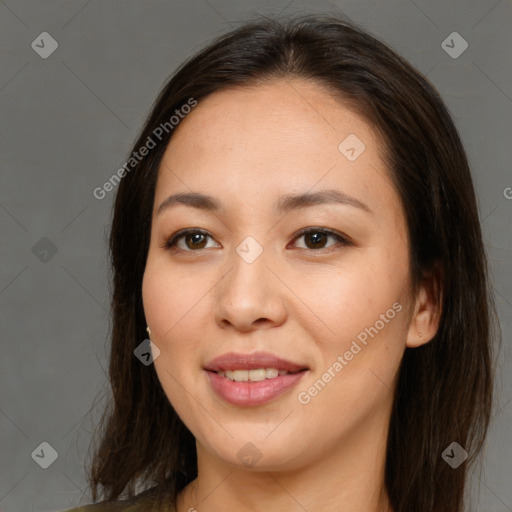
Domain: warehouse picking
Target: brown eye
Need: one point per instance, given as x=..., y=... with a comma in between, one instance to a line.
x=316, y=238
x=194, y=239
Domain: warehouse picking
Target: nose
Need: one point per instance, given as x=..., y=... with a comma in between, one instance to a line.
x=250, y=296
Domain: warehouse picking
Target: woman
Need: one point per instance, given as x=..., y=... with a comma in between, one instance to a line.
x=299, y=236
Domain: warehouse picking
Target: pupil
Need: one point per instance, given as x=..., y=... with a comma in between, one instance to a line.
x=194, y=239
x=317, y=238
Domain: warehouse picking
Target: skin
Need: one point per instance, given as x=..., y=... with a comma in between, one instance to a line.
x=247, y=146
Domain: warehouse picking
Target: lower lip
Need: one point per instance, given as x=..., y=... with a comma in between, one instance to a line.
x=252, y=393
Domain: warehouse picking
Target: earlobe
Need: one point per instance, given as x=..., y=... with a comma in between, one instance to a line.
x=422, y=329
x=427, y=311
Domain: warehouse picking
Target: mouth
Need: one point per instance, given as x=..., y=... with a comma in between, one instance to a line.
x=256, y=375
x=252, y=379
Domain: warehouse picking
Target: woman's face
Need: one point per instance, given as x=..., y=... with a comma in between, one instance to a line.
x=249, y=286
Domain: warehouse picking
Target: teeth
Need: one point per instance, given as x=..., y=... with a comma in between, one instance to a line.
x=252, y=375
x=257, y=375
x=271, y=373
x=241, y=375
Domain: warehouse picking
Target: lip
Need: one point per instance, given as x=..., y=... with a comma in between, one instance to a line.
x=252, y=393
x=237, y=361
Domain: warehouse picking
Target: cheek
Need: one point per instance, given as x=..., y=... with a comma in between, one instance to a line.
x=175, y=309
x=165, y=306
x=363, y=314
x=172, y=300
x=355, y=295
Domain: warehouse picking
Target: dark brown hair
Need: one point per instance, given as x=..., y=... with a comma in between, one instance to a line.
x=445, y=387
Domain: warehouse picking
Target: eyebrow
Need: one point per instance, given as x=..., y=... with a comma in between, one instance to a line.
x=284, y=204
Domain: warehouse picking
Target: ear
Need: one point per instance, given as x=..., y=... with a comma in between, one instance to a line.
x=427, y=309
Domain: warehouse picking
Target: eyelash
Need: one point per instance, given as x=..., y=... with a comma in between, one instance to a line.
x=172, y=241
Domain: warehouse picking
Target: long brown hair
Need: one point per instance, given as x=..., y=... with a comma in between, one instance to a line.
x=445, y=387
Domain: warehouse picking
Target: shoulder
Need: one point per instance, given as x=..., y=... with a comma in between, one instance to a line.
x=143, y=502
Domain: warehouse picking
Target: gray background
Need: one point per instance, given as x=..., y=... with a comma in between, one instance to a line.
x=67, y=124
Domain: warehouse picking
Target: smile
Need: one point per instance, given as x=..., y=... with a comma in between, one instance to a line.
x=253, y=375
x=252, y=379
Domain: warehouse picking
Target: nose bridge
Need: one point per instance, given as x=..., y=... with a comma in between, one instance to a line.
x=249, y=291
x=249, y=275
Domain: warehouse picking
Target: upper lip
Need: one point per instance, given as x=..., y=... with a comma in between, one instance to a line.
x=237, y=361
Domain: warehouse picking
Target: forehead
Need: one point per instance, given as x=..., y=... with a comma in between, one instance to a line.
x=274, y=138
x=291, y=112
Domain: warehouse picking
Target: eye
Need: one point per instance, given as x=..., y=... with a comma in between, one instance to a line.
x=195, y=239
x=318, y=236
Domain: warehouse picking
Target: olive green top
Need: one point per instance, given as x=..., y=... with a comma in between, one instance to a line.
x=143, y=502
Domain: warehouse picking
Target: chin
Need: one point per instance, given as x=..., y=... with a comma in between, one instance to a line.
x=255, y=453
